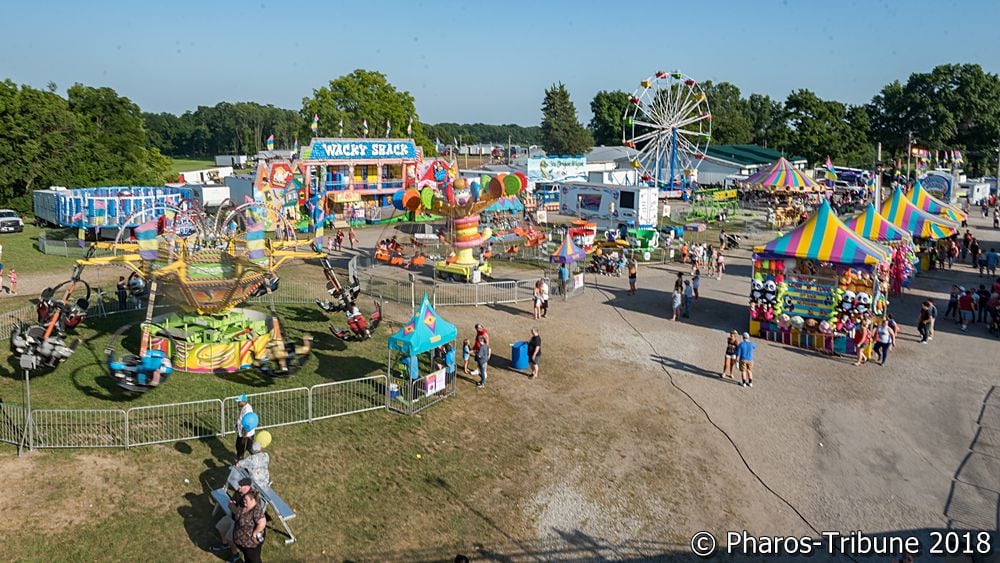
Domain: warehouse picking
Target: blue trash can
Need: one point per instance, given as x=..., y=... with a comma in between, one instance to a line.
x=519, y=355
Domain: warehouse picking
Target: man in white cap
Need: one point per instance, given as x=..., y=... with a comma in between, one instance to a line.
x=244, y=436
x=744, y=353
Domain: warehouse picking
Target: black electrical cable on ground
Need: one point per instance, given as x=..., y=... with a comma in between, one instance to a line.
x=708, y=417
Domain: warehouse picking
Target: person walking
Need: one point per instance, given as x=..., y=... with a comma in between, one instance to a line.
x=720, y=265
x=924, y=323
x=982, y=293
x=688, y=298
x=244, y=436
x=677, y=300
x=248, y=528
x=536, y=300
x=966, y=241
x=534, y=351
x=966, y=309
x=952, y=311
x=974, y=252
x=121, y=291
x=12, y=276
x=883, y=342
x=952, y=254
x=352, y=237
x=696, y=282
x=730, y=358
x=933, y=312
x=545, y=295
x=633, y=272
x=744, y=353
x=482, y=359
x=992, y=258
x=862, y=337
x=679, y=282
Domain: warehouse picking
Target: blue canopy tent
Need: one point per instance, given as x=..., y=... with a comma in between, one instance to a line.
x=425, y=331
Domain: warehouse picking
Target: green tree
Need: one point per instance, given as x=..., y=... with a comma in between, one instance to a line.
x=562, y=132
x=730, y=115
x=767, y=121
x=609, y=110
x=361, y=96
x=821, y=128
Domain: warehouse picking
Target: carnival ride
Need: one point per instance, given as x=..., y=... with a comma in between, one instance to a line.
x=345, y=301
x=667, y=128
x=206, y=265
x=440, y=191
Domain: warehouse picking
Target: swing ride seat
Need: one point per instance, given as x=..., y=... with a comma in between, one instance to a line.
x=418, y=260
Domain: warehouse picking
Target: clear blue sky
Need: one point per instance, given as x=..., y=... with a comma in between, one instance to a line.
x=485, y=61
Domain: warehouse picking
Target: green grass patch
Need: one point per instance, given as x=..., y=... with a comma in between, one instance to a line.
x=178, y=165
x=20, y=253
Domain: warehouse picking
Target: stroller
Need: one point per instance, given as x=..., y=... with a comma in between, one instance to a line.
x=733, y=240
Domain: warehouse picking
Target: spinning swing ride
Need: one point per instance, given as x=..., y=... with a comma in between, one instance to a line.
x=666, y=129
x=207, y=266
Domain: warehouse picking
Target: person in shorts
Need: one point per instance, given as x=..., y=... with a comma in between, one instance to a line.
x=729, y=362
x=744, y=353
x=534, y=351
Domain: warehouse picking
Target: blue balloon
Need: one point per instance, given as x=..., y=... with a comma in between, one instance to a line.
x=397, y=200
x=250, y=421
x=474, y=190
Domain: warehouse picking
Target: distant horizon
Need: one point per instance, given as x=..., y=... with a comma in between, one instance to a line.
x=468, y=65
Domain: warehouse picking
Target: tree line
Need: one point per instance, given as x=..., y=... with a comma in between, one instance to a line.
x=94, y=136
x=954, y=106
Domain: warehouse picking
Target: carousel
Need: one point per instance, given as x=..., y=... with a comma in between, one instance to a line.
x=793, y=188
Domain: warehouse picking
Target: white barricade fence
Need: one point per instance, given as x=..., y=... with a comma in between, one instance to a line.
x=10, y=319
x=328, y=400
x=11, y=423
x=78, y=428
x=274, y=408
x=157, y=424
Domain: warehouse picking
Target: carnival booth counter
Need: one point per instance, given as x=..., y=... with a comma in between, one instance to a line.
x=425, y=373
x=813, y=286
x=925, y=227
x=876, y=228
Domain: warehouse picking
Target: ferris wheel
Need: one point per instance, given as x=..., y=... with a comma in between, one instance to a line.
x=667, y=128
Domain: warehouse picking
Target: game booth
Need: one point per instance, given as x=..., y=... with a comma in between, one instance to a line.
x=813, y=286
x=420, y=376
x=925, y=228
x=876, y=228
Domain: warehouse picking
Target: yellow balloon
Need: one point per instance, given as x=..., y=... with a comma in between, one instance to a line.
x=264, y=438
x=487, y=233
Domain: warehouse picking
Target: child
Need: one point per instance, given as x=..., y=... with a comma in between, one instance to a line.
x=696, y=282
x=13, y=282
x=466, y=354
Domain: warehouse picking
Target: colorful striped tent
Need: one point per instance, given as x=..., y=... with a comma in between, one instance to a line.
x=873, y=226
x=568, y=252
x=924, y=200
x=824, y=237
x=782, y=177
x=902, y=213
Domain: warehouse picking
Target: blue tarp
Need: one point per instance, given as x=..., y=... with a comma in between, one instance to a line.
x=424, y=332
x=506, y=204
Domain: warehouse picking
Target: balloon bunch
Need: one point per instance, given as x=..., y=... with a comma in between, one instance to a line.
x=436, y=191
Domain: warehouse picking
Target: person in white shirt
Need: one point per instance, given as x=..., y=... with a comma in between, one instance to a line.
x=244, y=437
x=545, y=297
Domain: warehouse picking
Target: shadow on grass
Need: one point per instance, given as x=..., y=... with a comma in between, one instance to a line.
x=199, y=520
x=305, y=314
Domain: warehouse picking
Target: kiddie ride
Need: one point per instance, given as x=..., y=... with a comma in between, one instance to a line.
x=46, y=340
x=439, y=191
x=345, y=301
x=207, y=266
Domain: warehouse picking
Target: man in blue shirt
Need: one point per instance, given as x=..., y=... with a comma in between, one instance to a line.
x=744, y=353
x=991, y=261
x=563, y=278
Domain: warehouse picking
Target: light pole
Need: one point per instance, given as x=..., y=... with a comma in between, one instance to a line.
x=909, y=153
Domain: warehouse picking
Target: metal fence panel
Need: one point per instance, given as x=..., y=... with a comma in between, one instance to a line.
x=274, y=408
x=410, y=396
x=158, y=424
x=10, y=319
x=11, y=423
x=78, y=428
x=348, y=397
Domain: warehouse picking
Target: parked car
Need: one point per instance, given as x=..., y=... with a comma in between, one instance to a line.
x=10, y=221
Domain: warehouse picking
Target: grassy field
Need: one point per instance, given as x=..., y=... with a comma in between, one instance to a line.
x=178, y=165
x=20, y=253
